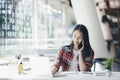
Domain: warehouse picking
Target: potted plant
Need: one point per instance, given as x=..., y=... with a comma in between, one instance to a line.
x=108, y=65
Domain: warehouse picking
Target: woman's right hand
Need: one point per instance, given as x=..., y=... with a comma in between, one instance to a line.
x=54, y=69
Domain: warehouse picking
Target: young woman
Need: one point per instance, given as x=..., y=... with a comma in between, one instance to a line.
x=77, y=56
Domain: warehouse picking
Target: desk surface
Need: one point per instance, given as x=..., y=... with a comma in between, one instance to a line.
x=5, y=75
x=10, y=72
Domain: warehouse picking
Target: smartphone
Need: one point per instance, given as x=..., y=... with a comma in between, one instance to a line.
x=80, y=45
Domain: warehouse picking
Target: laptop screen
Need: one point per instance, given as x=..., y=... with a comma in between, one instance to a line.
x=40, y=66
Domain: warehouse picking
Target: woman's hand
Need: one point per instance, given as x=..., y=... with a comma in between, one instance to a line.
x=54, y=70
x=81, y=49
x=82, y=65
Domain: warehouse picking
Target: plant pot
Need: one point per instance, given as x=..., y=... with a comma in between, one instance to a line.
x=107, y=72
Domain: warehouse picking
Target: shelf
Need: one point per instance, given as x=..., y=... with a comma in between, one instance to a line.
x=113, y=12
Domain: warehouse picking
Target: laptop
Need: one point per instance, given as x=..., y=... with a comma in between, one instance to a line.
x=41, y=67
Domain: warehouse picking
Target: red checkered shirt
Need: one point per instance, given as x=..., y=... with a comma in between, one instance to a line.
x=64, y=58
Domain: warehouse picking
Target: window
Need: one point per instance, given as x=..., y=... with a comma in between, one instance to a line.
x=36, y=24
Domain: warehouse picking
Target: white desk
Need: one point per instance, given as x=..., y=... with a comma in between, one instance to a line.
x=8, y=74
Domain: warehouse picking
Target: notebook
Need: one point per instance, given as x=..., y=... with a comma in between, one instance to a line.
x=40, y=66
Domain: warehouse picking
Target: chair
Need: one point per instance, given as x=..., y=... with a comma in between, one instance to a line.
x=98, y=60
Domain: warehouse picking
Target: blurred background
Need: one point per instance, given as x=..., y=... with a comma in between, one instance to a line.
x=43, y=26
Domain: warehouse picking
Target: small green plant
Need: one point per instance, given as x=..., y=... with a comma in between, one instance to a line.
x=108, y=63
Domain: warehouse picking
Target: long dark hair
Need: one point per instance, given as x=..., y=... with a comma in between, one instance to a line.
x=87, y=47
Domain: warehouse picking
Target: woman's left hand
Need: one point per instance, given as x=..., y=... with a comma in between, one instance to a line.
x=82, y=46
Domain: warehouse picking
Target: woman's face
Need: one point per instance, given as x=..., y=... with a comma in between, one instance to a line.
x=77, y=37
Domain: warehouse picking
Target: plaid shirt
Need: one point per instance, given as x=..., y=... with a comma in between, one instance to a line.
x=64, y=58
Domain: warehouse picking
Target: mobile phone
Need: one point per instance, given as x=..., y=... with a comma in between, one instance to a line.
x=80, y=45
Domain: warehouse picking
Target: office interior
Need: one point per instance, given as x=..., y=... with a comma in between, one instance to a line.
x=41, y=27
